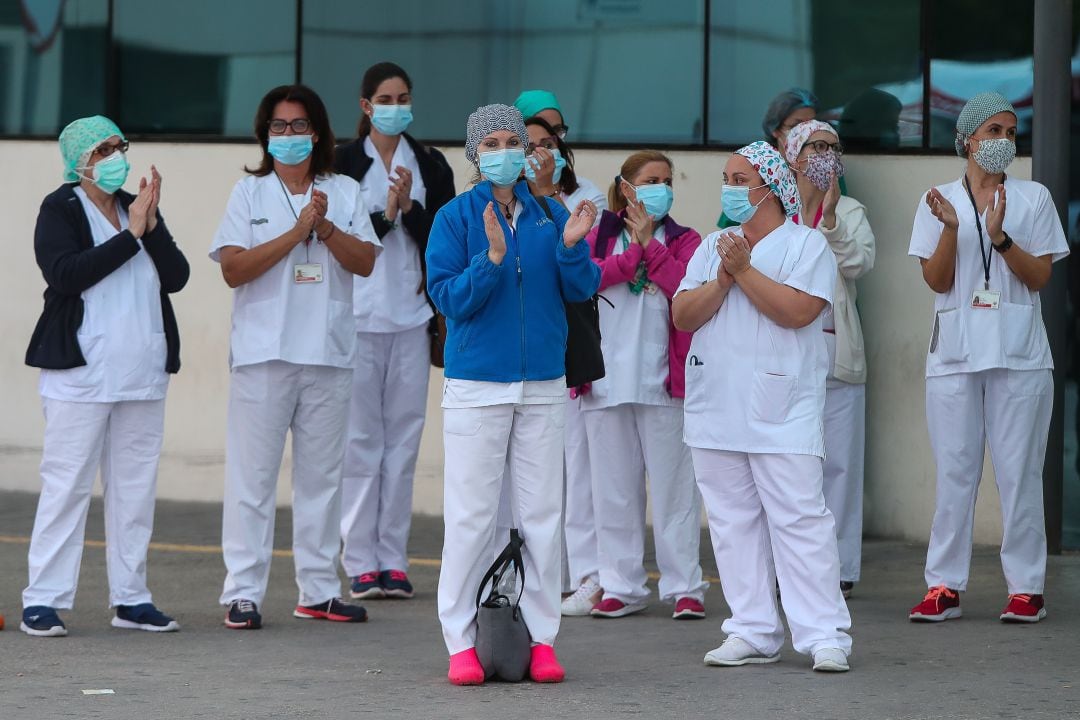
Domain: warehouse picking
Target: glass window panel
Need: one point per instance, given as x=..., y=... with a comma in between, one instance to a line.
x=200, y=66
x=52, y=63
x=624, y=71
x=868, y=81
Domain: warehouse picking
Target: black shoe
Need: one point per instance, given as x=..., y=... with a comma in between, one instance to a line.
x=143, y=617
x=845, y=588
x=395, y=583
x=334, y=610
x=243, y=615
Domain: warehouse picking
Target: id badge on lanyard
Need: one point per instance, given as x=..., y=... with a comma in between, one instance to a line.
x=305, y=272
x=985, y=299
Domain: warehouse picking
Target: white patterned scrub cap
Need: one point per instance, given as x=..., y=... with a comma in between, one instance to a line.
x=774, y=171
x=489, y=118
x=800, y=133
x=978, y=110
x=80, y=138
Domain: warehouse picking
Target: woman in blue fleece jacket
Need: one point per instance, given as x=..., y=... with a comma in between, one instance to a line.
x=500, y=267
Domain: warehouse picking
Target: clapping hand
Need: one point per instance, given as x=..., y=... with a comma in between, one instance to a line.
x=995, y=216
x=496, y=238
x=579, y=224
x=942, y=209
x=402, y=186
x=640, y=223
x=734, y=253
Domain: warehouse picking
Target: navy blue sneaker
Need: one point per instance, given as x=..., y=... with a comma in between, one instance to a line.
x=334, y=610
x=42, y=621
x=366, y=587
x=243, y=615
x=143, y=616
x=395, y=583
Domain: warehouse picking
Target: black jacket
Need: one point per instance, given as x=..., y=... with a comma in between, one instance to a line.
x=69, y=261
x=350, y=159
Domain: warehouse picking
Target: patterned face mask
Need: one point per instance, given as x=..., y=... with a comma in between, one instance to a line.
x=994, y=156
x=821, y=168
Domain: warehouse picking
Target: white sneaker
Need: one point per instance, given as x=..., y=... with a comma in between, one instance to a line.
x=831, y=660
x=582, y=600
x=736, y=651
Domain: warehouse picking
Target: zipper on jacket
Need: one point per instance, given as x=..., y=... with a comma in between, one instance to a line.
x=521, y=310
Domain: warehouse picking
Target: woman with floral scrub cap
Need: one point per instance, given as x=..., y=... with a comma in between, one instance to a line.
x=986, y=242
x=813, y=151
x=106, y=344
x=755, y=393
x=500, y=268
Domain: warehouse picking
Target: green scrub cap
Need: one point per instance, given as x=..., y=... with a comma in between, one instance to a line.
x=531, y=102
x=978, y=110
x=80, y=138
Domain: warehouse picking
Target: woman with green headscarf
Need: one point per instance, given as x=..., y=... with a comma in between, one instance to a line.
x=106, y=343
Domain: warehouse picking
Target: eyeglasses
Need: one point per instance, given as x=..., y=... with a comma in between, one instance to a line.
x=561, y=131
x=105, y=151
x=299, y=126
x=820, y=147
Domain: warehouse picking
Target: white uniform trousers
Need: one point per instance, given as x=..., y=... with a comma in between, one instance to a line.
x=1011, y=409
x=580, y=519
x=478, y=444
x=386, y=419
x=124, y=438
x=756, y=501
x=845, y=452
x=267, y=400
x=626, y=442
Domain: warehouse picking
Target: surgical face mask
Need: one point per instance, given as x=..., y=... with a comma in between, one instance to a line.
x=391, y=119
x=994, y=156
x=821, y=168
x=111, y=173
x=736, y=202
x=502, y=167
x=560, y=163
x=289, y=149
x=656, y=198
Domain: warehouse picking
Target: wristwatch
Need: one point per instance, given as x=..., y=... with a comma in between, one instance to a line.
x=1005, y=244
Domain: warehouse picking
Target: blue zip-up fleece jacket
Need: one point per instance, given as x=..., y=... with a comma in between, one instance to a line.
x=507, y=322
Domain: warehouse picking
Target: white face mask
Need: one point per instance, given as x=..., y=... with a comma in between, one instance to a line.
x=994, y=156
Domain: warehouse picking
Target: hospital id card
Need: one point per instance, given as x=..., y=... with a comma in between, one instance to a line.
x=307, y=273
x=986, y=299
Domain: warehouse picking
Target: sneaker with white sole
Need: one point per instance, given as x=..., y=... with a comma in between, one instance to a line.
x=1024, y=608
x=614, y=608
x=831, y=660
x=42, y=621
x=736, y=651
x=143, y=617
x=583, y=600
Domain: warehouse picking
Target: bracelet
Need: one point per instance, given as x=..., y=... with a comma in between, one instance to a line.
x=333, y=229
x=1005, y=244
x=388, y=221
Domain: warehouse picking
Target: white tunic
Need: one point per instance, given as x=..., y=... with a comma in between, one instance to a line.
x=274, y=317
x=122, y=335
x=751, y=385
x=634, y=339
x=391, y=299
x=966, y=339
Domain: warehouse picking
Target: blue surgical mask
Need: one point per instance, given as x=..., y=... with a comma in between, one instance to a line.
x=560, y=163
x=111, y=173
x=502, y=167
x=736, y=202
x=656, y=198
x=289, y=149
x=391, y=119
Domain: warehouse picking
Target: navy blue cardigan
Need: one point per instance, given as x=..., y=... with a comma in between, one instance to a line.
x=71, y=263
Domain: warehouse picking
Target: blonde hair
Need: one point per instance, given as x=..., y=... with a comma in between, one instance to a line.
x=631, y=167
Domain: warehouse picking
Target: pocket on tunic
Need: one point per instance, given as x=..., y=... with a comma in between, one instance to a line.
x=1021, y=330
x=773, y=396
x=341, y=329
x=948, y=343
x=462, y=421
x=696, y=391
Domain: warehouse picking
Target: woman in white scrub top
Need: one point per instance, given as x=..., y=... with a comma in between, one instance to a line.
x=293, y=236
x=986, y=242
x=106, y=343
x=755, y=394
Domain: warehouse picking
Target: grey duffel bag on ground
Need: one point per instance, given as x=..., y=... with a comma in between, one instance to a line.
x=502, y=639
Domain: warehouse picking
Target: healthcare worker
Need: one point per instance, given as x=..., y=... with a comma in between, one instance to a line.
x=986, y=242
x=403, y=184
x=544, y=105
x=755, y=394
x=813, y=150
x=106, y=343
x=293, y=236
x=500, y=269
x=633, y=416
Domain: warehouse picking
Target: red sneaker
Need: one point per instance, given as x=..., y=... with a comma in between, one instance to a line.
x=544, y=667
x=465, y=668
x=614, y=608
x=1024, y=608
x=940, y=604
x=687, y=608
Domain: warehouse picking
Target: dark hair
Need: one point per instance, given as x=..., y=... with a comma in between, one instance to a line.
x=322, y=155
x=568, y=180
x=373, y=78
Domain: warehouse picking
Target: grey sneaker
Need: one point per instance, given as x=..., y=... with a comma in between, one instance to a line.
x=736, y=651
x=831, y=660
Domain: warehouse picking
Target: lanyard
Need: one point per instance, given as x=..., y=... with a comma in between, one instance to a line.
x=288, y=201
x=985, y=254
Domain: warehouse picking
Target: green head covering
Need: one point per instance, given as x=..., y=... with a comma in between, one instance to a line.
x=531, y=102
x=978, y=110
x=80, y=138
